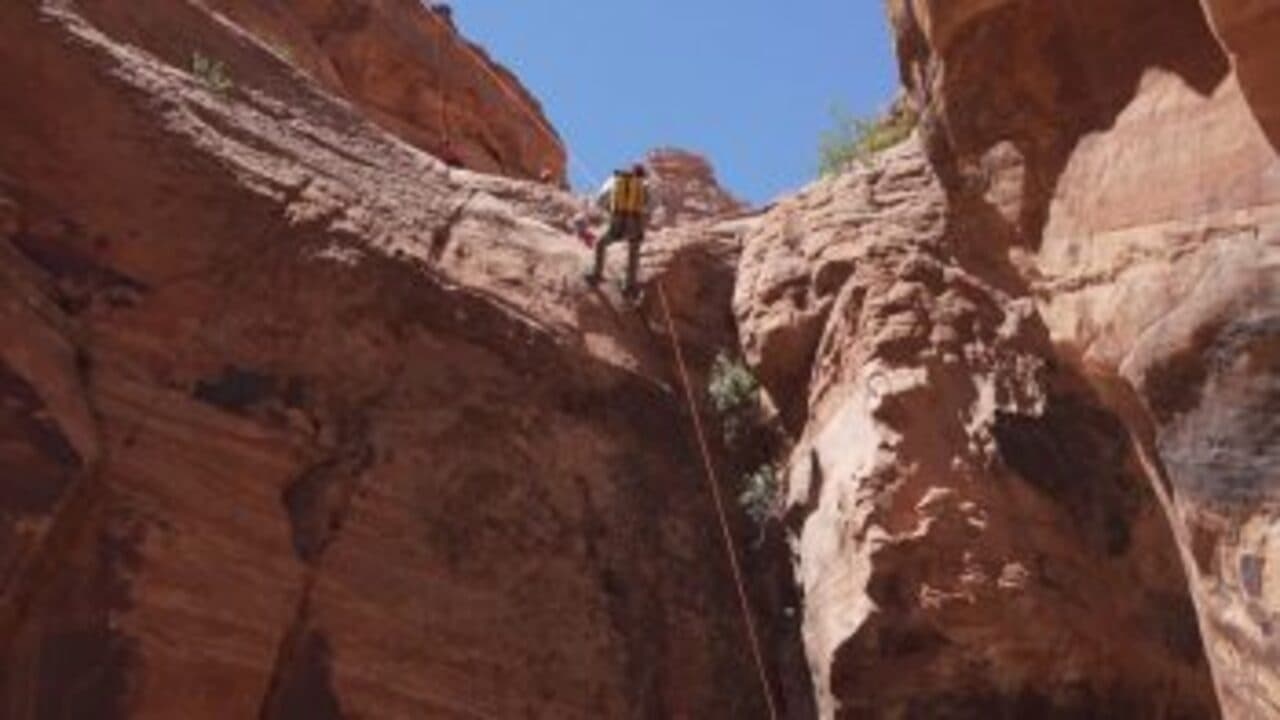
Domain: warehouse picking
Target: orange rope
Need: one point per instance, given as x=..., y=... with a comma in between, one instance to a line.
x=713, y=481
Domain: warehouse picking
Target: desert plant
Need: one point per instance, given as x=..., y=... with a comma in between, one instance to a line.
x=856, y=139
x=734, y=393
x=732, y=387
x=212, y=72
x=735, y=396
x=759, y=497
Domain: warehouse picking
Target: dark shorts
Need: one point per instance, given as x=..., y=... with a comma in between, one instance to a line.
x=625, y=226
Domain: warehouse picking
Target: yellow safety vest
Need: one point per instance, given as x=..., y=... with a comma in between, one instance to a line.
x=628, y=194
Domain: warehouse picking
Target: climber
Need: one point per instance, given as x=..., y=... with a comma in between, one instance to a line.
x=626, y=197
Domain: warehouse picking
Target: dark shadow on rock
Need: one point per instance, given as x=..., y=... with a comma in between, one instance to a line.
x=307, y=692
x=1079, y=64
x=1077, y=453
x=69, y=658
x=1219, y=434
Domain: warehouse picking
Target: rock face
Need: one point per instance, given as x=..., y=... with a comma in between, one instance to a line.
x=296, y=422
x=403, y=64
x=1247, y=30
x=957, y=498
x=1030, y=370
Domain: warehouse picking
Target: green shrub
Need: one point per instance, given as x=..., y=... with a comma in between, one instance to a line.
x=855, y=139
x=759, y=497
x=734, y=394
x=732, y=387
x=212, y=72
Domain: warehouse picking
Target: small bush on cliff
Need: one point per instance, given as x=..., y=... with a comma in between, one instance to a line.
x=734, y=393
x=749, y=441
x=759, y=496
x=212, y=72
x=856, y=139
x=732, y=387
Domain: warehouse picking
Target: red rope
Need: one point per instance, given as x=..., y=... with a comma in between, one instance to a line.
x=712, y=480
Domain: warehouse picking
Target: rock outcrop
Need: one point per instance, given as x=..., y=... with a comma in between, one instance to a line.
x=401, y=62
x=685, y=189
x=295, y=421
x=1247, y=31
x=959, y=500
x=1031, y=371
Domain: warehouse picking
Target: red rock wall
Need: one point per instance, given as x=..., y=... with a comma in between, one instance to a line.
x=296, y=423
x=959, y=502
x=408, y=69
x=1247, y=31
x=1029, y=371
x=1120, y=169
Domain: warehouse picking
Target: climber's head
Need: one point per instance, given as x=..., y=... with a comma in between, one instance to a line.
x=638, y=170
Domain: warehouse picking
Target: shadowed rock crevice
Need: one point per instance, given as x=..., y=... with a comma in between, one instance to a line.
x=70, y=658
x=320, y=498
x=307, y=693
x=236, y=389
x=302, y=683
x=75, y=265
x=37, y=462
x=1078, y=454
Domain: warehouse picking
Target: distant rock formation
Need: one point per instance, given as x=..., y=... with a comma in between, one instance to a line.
x=686, y=189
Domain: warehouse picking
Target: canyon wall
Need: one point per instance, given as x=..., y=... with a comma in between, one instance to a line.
x=402, y=63
x=302, y=418
x=298, y=422
x=1029, y=362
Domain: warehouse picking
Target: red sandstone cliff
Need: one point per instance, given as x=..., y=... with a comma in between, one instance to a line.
x=403, y=65
x=297, y=422
x=1028, y=360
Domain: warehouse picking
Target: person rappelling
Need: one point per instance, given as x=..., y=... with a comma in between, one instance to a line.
x=626, y=196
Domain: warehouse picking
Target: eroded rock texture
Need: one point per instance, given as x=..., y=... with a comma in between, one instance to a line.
x=958, y=499
x=1030, y=369
x=296, y=422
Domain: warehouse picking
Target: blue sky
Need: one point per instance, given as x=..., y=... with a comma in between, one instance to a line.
x=748, y=83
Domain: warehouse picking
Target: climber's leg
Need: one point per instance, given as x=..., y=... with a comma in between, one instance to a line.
x=614, y=233
x=635, y=237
